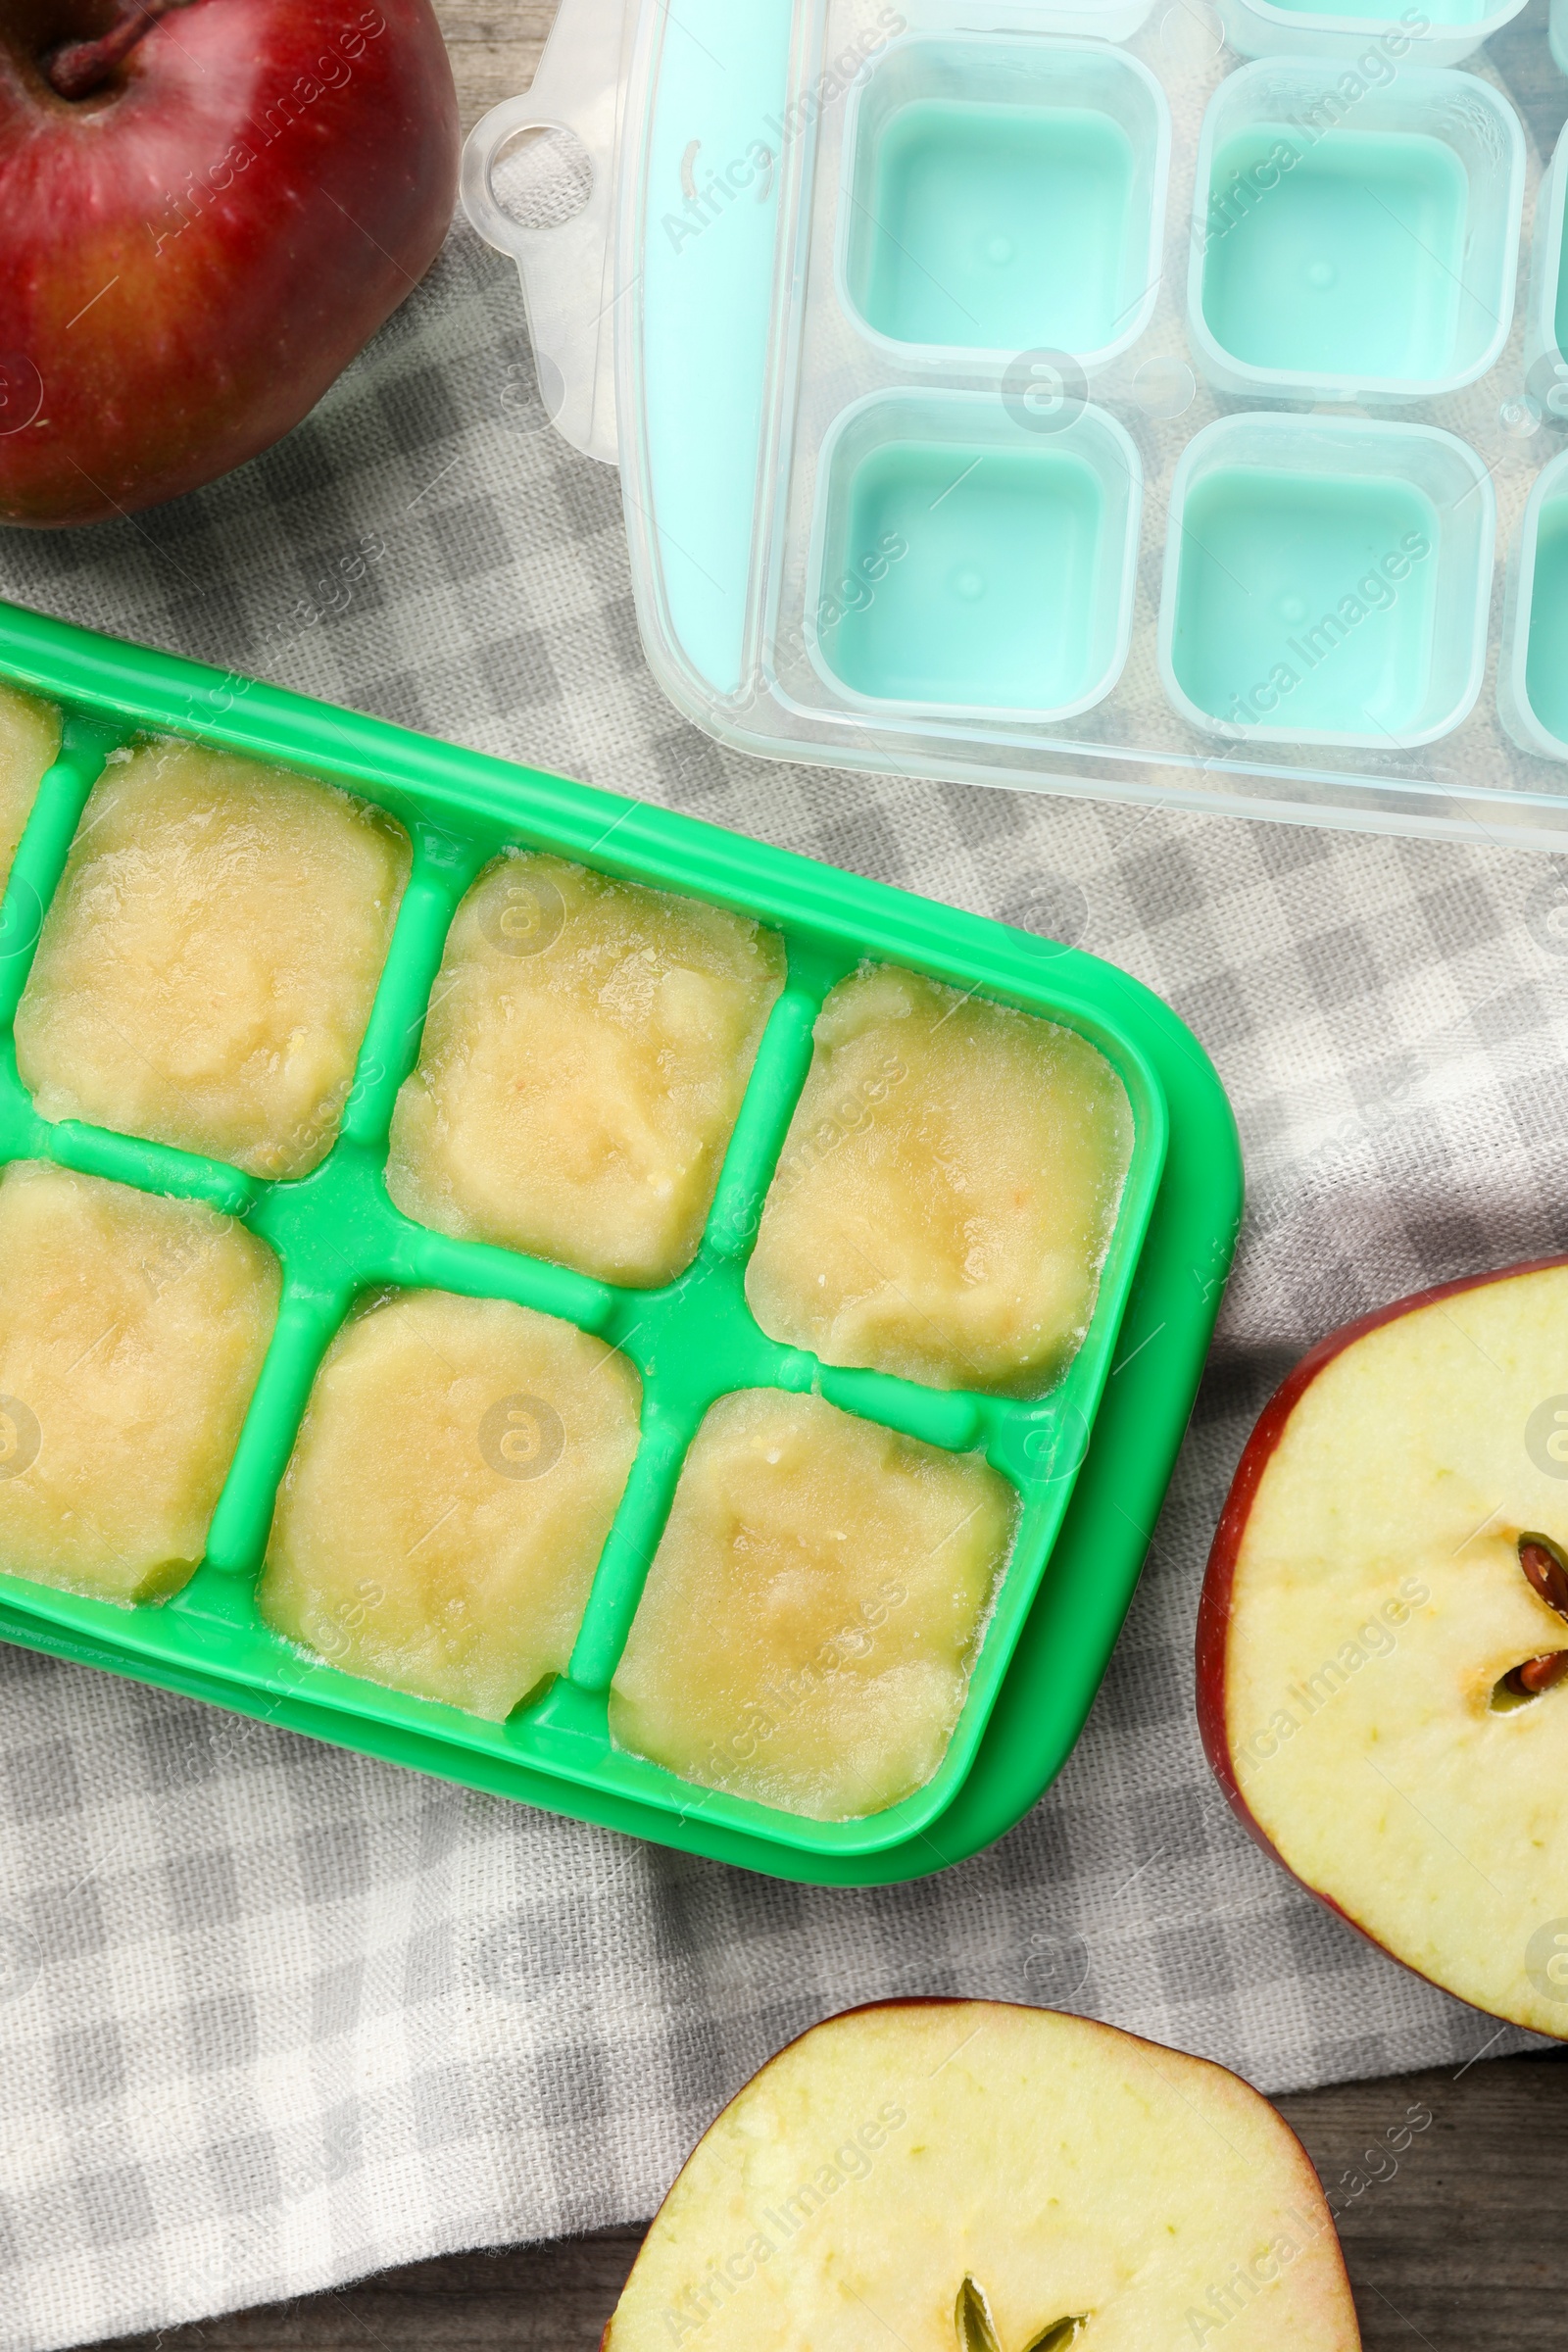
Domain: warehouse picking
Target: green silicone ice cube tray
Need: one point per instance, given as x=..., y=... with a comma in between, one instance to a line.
x=1089, y=1461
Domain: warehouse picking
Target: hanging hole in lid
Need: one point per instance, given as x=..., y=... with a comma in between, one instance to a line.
x=542, y=176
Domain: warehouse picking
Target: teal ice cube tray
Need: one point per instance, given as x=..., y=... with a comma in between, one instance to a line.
x=1089, y=1461
x=912, y=325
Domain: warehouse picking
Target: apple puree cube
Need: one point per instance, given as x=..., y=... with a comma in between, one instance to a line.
x=453, y=1482
x=585, y=1055
x=29, y=743
x=209, y=963
x=131, y=1333
x=809, y=1624
x=947, y=1191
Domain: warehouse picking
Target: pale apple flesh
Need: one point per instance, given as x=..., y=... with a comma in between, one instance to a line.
x=1377, y=1624
x=948, y=2175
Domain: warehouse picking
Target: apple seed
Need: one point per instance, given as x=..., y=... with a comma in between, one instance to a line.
x=1535, y=1675
x=976, y=2331
x=1058, y=2337
x=1543, y=1565
x=972, y=2321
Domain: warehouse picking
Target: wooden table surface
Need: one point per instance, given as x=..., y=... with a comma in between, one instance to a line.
x=494, y=50
x=1464, y=2250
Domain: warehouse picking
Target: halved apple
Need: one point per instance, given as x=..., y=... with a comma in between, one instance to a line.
x=1383, y=1638
x=972, y=2176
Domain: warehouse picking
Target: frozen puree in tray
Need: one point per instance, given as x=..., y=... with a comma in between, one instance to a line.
x=29, y=743
x=584, y=1058
x=207, y=966
x=452, y=1485
x=947, y=1191
x=806, y=1631
x=131, y=1333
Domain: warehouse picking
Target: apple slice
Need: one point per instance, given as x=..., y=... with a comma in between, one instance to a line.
x=1383, y=1639
x=972, y=2176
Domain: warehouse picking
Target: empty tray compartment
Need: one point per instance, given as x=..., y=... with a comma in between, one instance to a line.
x=1327, y=580
x=1003, y=196
x=1354, y=248
x=967, y=558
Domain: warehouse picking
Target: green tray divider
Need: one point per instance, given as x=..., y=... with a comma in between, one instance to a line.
x=778, y=1077
x=1039, y=1447
x=151, y=1167
x=45, y=844
x=569, y=1722
x=697, y=1339
x=443, y=868
x=421, y=1260
x=333, y=1227
x=694, y=1341
x=630, y=1546
x=307, y=1320
x=23, y=1134
x=955, y=1419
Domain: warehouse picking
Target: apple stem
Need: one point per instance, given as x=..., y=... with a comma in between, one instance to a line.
x=77, y=68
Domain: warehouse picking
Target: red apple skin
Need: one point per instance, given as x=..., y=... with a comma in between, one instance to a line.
x=190, y=256
x=1219, y=1576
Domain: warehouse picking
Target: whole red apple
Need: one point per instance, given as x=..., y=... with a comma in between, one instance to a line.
x=197, y=239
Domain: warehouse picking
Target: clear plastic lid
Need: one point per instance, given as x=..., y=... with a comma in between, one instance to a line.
x=943, y=335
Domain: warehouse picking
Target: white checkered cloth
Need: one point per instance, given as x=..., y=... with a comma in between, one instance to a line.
x=272, y=2016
